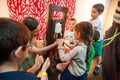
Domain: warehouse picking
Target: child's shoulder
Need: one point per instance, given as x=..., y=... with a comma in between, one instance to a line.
x=95, y=20
x=81, y=46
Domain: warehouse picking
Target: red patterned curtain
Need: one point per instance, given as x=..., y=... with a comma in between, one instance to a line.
x=38, y=9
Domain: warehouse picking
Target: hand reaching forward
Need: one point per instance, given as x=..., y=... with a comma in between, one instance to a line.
x=38, y=61
x=46, y=64
x=59, y=42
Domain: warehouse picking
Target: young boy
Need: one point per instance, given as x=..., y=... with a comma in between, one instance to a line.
x=14, y=47
x=69, y=35
x=31, y=63
x=68, y=41
x=97, y=10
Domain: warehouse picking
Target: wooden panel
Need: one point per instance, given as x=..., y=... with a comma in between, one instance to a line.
x=51, y=22
x=50, y=38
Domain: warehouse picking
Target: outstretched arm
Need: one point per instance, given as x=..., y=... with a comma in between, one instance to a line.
x=43, y=49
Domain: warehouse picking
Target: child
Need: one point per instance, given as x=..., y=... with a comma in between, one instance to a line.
x=32, y=25
x=97, y=10
x=69, y=34
x=31, y=63
x=69, y=42
x=96, y=36
x=76, y=69
x=14, y=47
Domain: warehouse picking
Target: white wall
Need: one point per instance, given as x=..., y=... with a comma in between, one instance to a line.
x=109, y=17
x=4, y=12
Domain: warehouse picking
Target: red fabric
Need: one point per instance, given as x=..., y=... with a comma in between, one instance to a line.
x=18, y=9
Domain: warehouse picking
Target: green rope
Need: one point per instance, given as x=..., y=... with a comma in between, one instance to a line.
x=111, y=38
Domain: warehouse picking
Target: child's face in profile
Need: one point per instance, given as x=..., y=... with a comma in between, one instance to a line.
x=71, y=25
x=94, y=13
x=77, y=35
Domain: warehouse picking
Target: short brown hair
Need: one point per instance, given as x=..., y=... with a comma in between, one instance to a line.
x=99, y=7
x=96, y=35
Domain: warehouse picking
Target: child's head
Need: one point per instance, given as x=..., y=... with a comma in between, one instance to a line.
x=12, y=35
x=32, y=25
x=96, y=35
x=71, y=23
x=97, y=10
x=84, y=32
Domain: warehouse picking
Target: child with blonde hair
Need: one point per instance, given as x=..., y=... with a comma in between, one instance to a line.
x=69, y=38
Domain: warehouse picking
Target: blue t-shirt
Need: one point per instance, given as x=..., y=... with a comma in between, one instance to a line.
x=17, y=75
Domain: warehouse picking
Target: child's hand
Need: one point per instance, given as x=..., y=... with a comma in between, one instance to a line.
x=46, y=64
x=32, y=49
x=38, y=61
x=59, y=42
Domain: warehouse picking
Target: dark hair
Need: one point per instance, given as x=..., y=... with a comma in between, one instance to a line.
x=30, y=22
x=86, y=33
x=12, y=35
x=96, y=35
x=72, y=19
x=99, y=7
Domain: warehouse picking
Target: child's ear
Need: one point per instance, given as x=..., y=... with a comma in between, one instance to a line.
x=18, y=52
x=79, y=34
x=100, y=13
